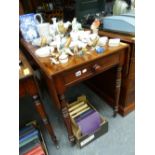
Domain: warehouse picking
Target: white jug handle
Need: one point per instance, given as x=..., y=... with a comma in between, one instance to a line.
x=40, y=16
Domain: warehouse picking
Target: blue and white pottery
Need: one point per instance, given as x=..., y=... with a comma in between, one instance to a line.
x=28, y=27
x=99, y=49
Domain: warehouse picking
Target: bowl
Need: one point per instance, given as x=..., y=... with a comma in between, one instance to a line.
x=44, y=51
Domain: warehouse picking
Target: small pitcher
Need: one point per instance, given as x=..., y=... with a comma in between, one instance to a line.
x=43, y=28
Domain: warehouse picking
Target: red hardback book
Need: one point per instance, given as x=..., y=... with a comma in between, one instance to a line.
x=38, y=150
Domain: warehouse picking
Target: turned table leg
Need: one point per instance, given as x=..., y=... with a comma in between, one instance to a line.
x=40, y=109
x=66, y=118
x=117, y=89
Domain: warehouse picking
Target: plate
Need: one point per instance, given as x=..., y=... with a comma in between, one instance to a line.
x=44, y=51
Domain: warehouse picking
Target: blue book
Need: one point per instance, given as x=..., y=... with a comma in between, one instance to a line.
x=25, y=129
x=29, y=146
x=28, y=136
x=27, y=132
x=28, y=141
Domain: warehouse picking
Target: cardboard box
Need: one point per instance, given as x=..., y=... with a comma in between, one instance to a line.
x=84, y=140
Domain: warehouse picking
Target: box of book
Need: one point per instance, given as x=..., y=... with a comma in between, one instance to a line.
x=87, y=123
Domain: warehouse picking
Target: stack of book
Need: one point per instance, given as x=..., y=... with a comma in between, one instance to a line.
x=84, y=116
x=87, y=123
x=30, y=142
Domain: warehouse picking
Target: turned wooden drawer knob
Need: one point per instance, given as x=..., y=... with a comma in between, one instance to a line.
x=96, y=67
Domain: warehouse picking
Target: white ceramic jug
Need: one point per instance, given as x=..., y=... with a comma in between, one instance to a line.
x=43, y=28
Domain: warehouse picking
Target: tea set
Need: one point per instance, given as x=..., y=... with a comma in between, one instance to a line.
x=60, y=40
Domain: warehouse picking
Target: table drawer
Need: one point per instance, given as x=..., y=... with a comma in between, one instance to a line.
x=104, y=64
x=82, y=72
x=77, y=74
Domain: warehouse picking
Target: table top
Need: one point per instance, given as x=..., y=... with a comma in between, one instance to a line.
x=25, y=69
x=74, y=61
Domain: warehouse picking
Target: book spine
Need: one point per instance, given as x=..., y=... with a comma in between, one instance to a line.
x=28, y=136
x=25, y=129
x=83, y=115
x=29, y=146
x=26, y=133
x=78, y=109
x=28, y=141
x=39, y=152
x=75, y=106
x=84, y=110
x=35, y=150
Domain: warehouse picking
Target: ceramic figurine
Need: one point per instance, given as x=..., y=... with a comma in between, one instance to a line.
x=61, y=28
x=55, y=54
x=43, y=41
x=75, y=25
x=75, y=50
x=58, y=43
x=67, y=24
x=53, y=27
x=93, y=42
x=95, y=24
x=74, y=22
x=63, y=58
x=68, y=41
x=68, y=51
x=54, y=61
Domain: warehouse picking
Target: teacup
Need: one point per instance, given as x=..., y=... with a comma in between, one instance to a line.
x=102, y=41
